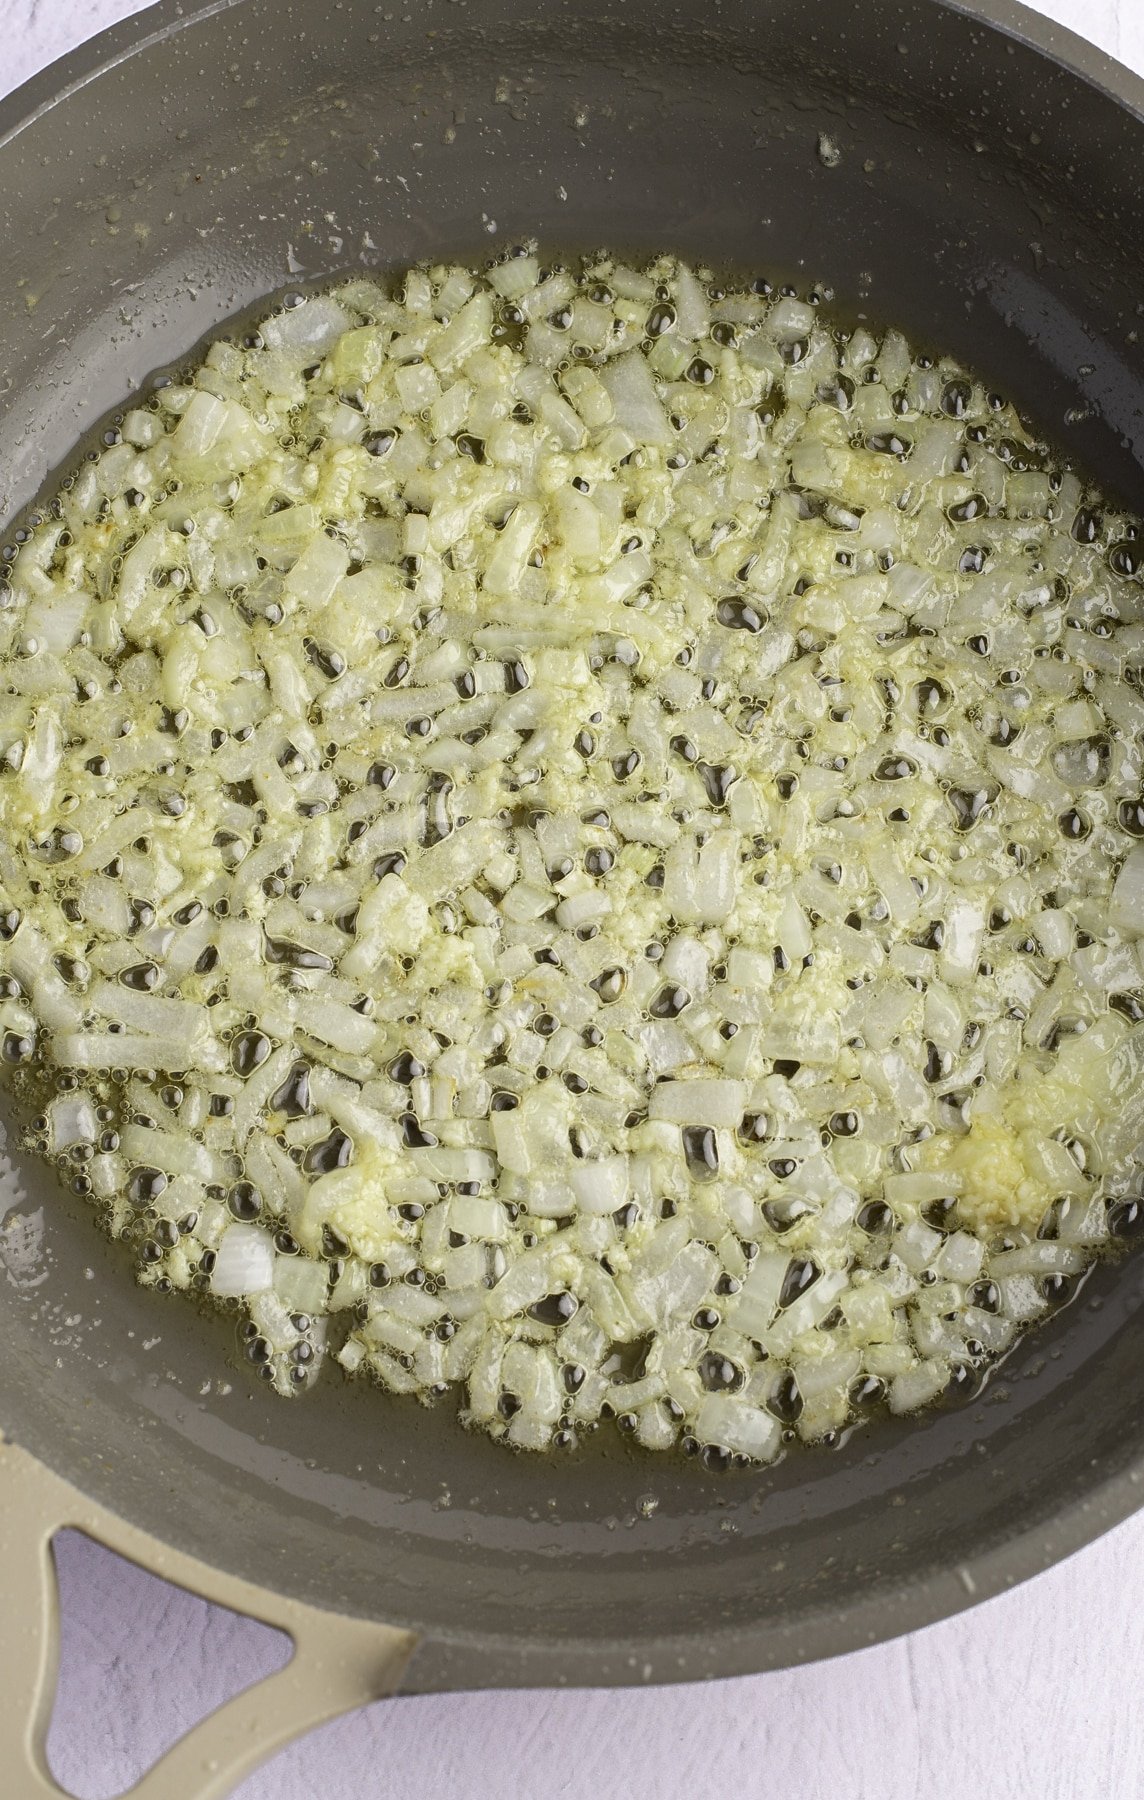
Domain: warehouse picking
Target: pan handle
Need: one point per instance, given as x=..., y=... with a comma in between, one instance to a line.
x=338, y=1663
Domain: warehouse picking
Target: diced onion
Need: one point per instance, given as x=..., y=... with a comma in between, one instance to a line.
x=244, y=1261
x=580, y=832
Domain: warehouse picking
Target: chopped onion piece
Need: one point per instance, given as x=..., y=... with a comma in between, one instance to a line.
x=244, y=1261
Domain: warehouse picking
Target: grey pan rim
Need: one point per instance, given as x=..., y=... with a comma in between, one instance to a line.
x=117, y=44
x=822, y=1631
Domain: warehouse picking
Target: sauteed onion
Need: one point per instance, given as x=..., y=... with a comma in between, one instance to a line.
x=579, y=836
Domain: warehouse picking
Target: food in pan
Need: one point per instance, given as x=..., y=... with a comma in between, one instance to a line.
x=578, y=836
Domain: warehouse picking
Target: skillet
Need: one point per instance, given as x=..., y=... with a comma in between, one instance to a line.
x=989, y=198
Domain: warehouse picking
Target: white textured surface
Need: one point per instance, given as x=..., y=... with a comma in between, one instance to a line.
x=1033, y=1696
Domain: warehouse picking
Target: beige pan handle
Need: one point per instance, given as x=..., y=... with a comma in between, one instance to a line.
x=338, y=1663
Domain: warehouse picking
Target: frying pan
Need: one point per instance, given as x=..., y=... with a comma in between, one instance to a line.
x=989, y=197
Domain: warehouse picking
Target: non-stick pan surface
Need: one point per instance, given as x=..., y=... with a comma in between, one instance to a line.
x=990, y=198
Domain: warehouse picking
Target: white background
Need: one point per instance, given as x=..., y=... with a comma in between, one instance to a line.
x=1034, y=1696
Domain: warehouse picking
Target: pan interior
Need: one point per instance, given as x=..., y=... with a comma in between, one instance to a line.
x=985, y=199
